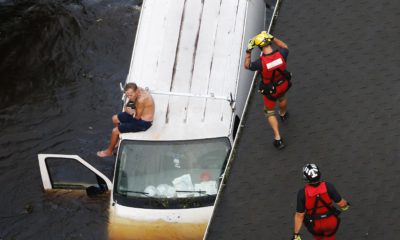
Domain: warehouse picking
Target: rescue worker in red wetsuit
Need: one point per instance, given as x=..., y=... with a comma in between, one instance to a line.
x=275, y=79
x=314, y=206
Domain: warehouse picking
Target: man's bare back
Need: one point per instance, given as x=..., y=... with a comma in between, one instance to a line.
x=144, y=106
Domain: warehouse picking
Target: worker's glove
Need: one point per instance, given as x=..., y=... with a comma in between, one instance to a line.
x=345, y=208
x=250, y=45
x=270, y=37
x=267, y=36
x=296, y=237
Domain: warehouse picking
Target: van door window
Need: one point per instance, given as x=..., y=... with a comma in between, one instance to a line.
x=70, y=172
x=66, y=174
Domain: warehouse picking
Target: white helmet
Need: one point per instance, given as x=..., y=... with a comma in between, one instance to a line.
x=311, y=173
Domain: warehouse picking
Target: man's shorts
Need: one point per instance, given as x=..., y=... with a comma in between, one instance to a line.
x=270, y=104
x=127, y=123
x=280, y=91
x=326, y=227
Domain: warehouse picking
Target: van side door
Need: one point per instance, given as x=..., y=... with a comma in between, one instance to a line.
x=59, y=171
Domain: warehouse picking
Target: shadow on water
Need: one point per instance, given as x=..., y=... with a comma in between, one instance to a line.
x=60, y=67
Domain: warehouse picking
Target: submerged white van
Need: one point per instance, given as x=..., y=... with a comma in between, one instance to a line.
x=188, y=54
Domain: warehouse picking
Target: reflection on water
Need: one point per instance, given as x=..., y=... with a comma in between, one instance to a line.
x=60, y=65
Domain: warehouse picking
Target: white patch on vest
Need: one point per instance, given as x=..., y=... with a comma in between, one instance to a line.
x=274, y=63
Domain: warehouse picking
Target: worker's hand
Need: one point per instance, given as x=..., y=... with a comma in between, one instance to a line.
x=345, y=208
x=250, y=45
x=296, y=237
x=268, y=36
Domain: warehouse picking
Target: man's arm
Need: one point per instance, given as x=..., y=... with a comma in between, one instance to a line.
x=280, y=43
x=252, y=66
x=298, y=222
x=247, y=60
x=140, y=105
x=336, y=197
x=299, y=215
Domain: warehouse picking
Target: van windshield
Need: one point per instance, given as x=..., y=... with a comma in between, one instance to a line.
x=165, y=174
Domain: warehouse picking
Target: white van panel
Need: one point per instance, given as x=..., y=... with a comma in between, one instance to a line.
x=196, y=51
x=192, y=215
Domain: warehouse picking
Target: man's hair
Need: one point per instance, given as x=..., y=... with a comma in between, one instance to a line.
x=132, y=86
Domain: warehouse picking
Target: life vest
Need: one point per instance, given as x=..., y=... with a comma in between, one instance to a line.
x=319, y=208
x=311, y=194
x=270, y=65
x=275, y=79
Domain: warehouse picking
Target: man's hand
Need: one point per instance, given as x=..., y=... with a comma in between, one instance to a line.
x=250, y=45
x=130, y=111
x=268, y=36
x=343, y=205
x=296, y=237
x=345, y=208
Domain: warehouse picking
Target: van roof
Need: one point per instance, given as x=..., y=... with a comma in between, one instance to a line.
x=187, y=53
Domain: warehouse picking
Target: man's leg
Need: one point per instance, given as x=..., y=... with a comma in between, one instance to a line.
x=113, y=142
x=282, y=106
x=115, y=120
x=273, y=122
x=269, y=110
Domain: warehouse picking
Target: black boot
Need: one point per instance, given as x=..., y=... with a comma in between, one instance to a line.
x=279, y=144
x=284, y=117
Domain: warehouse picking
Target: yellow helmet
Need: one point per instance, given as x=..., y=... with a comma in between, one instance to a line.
x=263, y=39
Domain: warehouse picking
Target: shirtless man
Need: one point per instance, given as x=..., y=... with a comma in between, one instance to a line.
x=135, y=119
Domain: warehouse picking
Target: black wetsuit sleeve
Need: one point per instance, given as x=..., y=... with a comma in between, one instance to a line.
x=301, y=201
x=256, y=65
x=284, y=52
x=333, y=193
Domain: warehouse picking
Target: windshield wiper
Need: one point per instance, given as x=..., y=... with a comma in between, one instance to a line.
x=199, y=192
x=129, y=191
x=159, y=201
